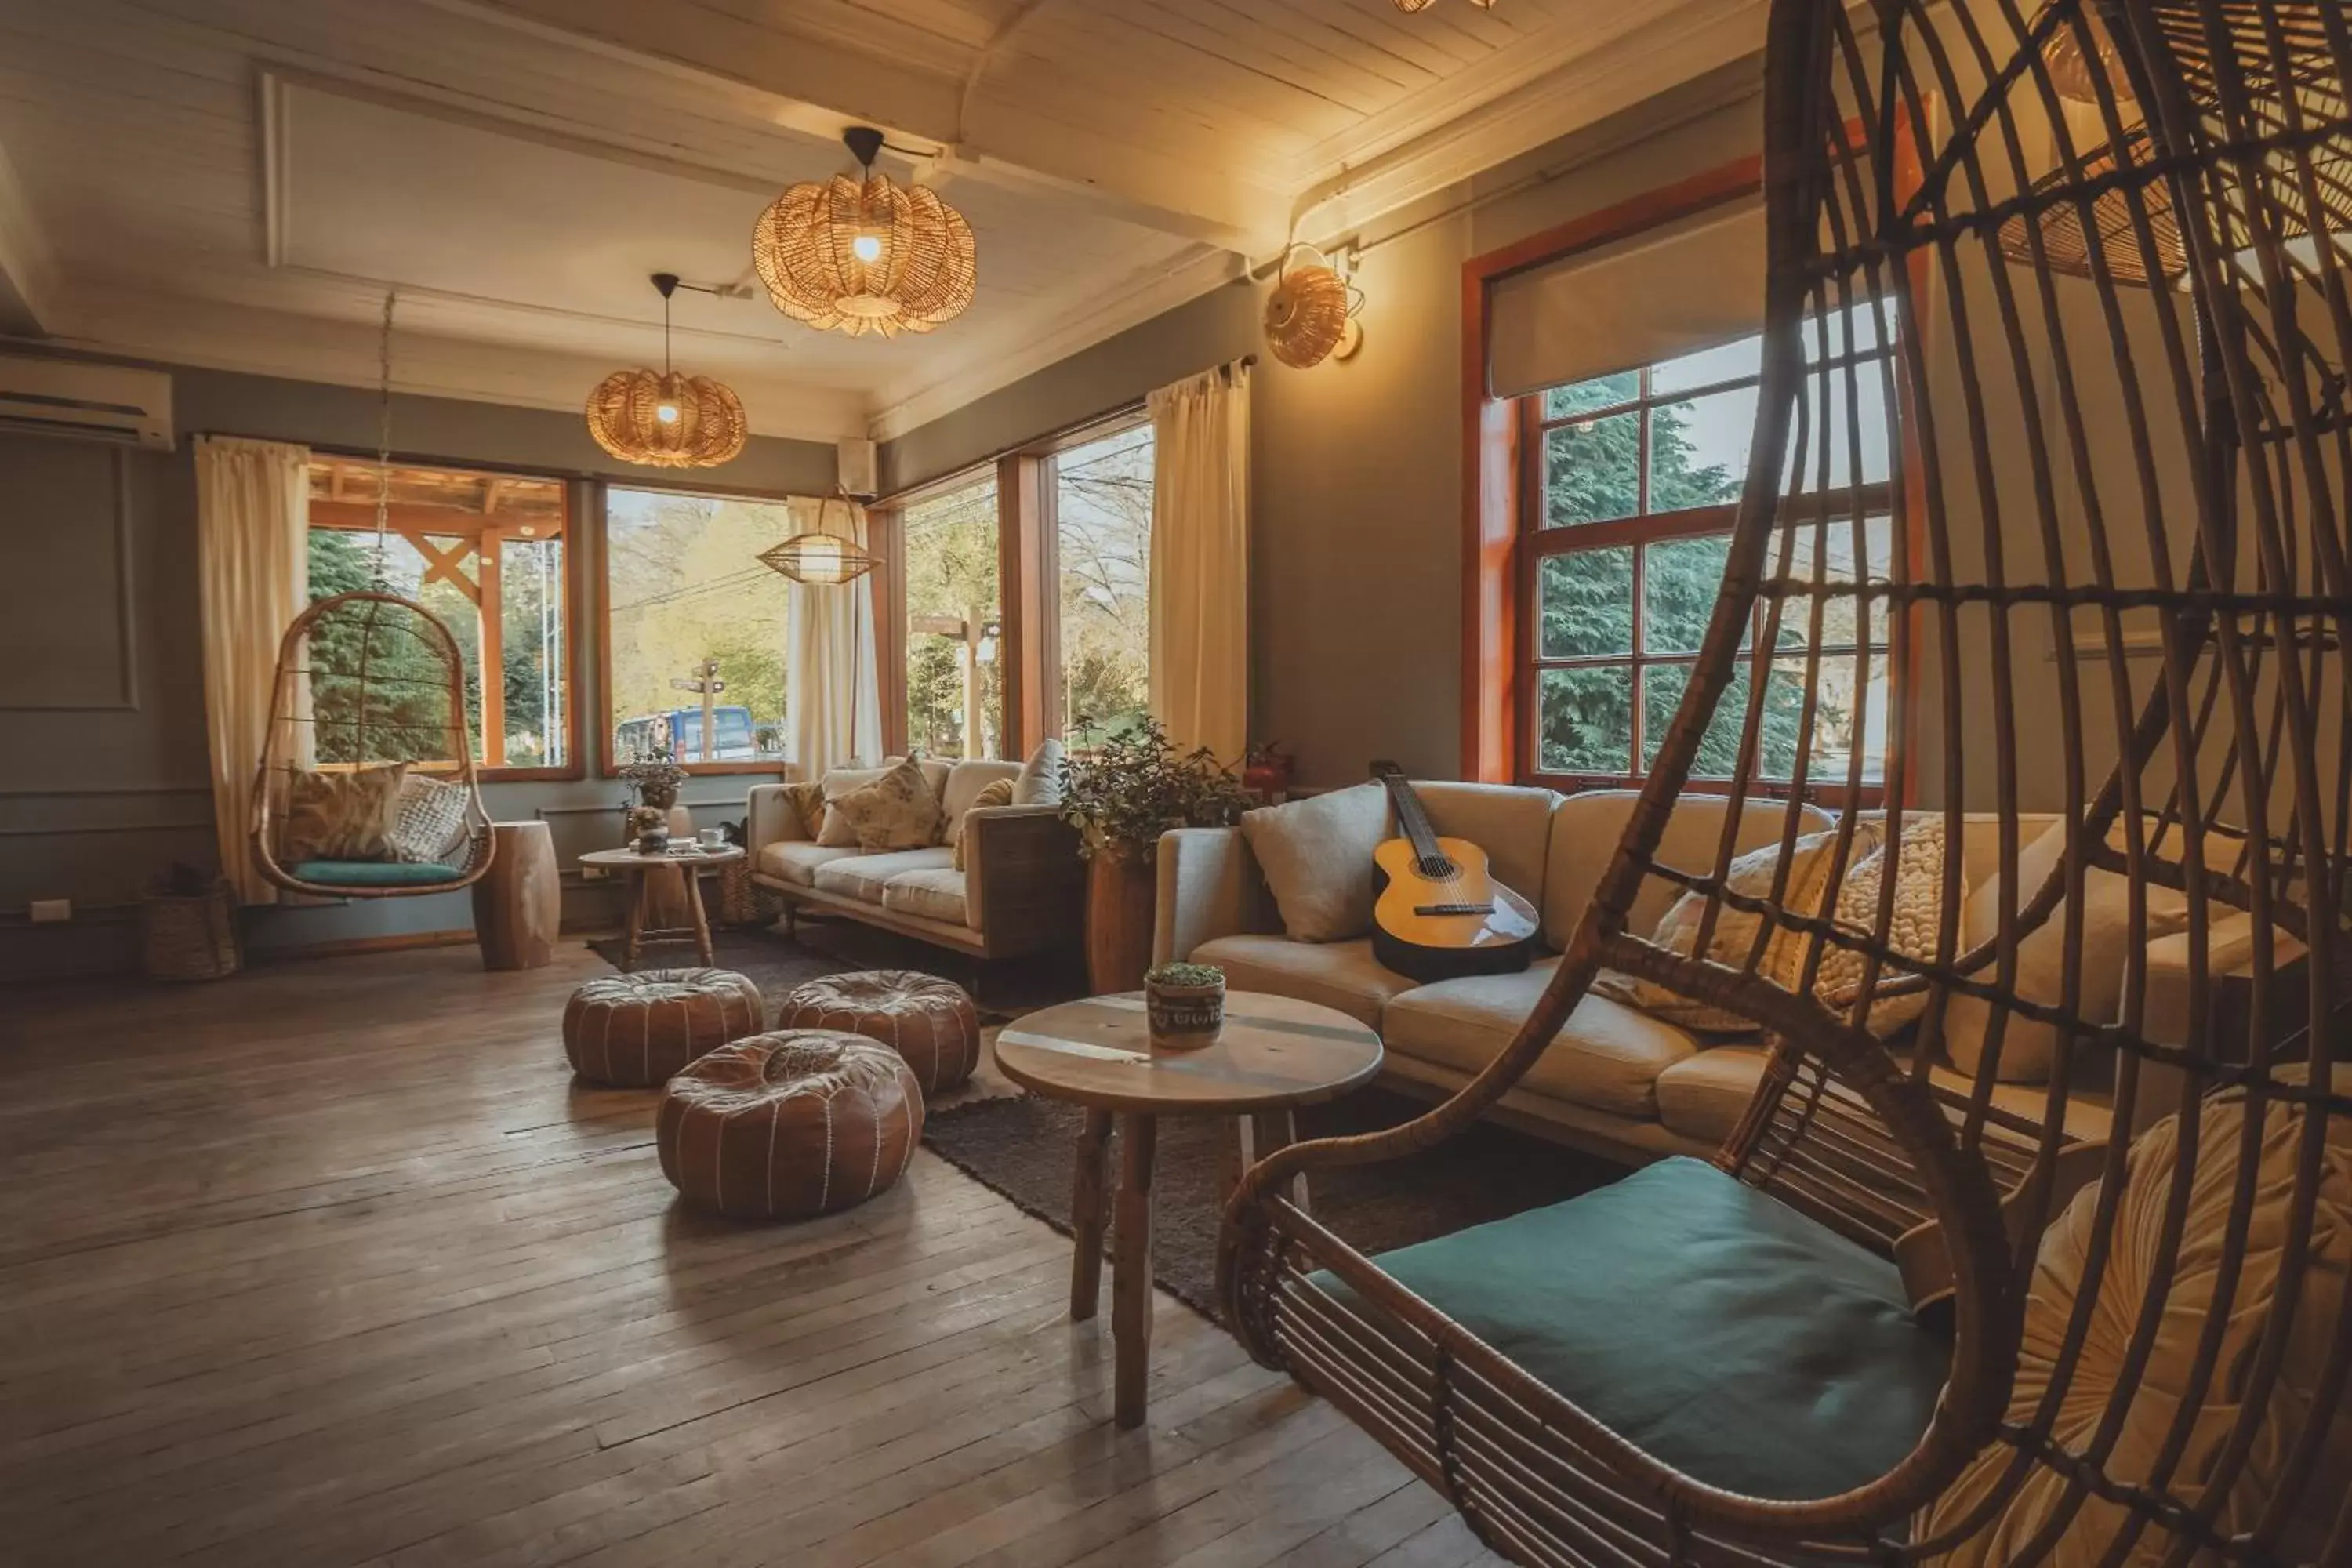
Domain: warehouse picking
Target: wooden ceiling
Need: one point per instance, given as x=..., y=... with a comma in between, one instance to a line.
x=235, y=182
x=463, y=502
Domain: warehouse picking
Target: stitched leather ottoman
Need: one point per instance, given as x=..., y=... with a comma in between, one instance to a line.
x=631, y=1031
x=789, y=1125
x=930, y=1022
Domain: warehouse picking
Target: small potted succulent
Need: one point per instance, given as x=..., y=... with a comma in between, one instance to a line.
x=1185, y=1003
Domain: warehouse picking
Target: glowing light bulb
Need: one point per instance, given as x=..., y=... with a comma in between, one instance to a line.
x=867, y=248
x=666, y=413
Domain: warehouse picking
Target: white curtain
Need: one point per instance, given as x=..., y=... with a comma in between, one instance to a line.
x=1199, y=561
x=832, y=686
x=253, y=516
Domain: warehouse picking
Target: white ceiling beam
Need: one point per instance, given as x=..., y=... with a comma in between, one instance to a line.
x=819, y=86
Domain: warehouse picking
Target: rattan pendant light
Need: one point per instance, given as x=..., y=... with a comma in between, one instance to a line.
x=669, y=420
x=1409, y=6
x=1310, y=315
x=860, y=254
x=819, y=559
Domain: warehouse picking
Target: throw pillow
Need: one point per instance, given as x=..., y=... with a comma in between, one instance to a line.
x=896, y=811
x=1918, y=870
x=1751, y=874
x=1040, y=782
x=1317, y=855
x=341, y=816
x=834, y=830
x=2029, y=1048
x=996, y=792
x=428, y=823
x=807, y=801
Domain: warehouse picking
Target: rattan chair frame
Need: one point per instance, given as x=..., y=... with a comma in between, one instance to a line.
x=293, y=729
x=2216, y=781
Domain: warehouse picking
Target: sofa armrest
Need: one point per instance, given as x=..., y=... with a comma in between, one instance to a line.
x=1208, y=885
x=771, y=819
x=1024, y=881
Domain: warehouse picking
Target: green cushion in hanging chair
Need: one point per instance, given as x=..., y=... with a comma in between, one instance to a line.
x=1717, y=1328
x=374, y=873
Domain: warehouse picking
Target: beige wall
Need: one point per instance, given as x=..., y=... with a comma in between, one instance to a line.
x=103, y=772
x=1356, y=625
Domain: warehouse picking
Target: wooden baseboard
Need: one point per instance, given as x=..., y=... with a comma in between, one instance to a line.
x=350, y=947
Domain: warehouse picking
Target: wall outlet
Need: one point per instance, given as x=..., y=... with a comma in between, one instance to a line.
x=51, y=911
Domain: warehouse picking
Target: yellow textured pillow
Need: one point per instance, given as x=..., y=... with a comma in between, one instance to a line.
x=2133, y=1260
x=1918, y=910
x=896, y=811
x=342, y=816
x=807, y=801
x=997, y=793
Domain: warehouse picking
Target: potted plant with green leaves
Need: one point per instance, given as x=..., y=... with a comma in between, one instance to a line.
x=1121, y=792
x=1185, y=1003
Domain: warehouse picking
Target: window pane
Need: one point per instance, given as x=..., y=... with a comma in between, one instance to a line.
x=686, y=590
x=1846, y=421
x=1586, y=720
x=1102, y=515
x=1827, y=555
x=1592, y=470
x=954, y=681
x=342, y=561
x=1602, y=392
x=1699, y=450
x=1662, y=686
x=1851, y=713
x=531, y=647
x=1586, y=602
x=1709, y=367
x=1681, y=580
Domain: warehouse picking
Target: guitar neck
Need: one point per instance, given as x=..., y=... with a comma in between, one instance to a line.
x=1411, y=817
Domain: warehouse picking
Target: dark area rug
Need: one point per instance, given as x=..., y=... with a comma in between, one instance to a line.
x=1004, y=988
x=1024, y=1147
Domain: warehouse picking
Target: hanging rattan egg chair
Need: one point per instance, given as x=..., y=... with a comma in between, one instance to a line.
x=368, y=680
x=2118, y=591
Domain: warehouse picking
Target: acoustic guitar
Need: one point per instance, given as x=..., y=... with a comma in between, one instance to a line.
x=1437, y=911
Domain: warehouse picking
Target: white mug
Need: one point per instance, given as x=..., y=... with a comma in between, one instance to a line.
x=714, y=839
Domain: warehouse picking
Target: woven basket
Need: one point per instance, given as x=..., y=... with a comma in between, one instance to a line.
x=189, y=936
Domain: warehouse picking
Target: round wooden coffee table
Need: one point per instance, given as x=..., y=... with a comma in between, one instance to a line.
x=642, y=892
x=1272, y=1056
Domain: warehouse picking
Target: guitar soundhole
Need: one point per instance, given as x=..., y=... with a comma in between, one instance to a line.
x=1437, y=867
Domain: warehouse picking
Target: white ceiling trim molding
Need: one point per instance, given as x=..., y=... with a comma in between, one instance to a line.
x=1131, y=305
x=260, y=341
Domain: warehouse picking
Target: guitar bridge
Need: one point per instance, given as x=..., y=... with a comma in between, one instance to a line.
x=1454, y=908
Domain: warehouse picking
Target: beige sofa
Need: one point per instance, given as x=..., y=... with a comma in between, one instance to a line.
x=1021, y=889
x=1616, y=1080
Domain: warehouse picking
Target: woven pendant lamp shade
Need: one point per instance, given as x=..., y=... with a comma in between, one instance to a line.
x=857, y=256
x=1310, y=316
x=706, y=426
x=821, y=559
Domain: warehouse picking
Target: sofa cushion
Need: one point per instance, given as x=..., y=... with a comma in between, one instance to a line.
x=796, y=861
x=1703, y=1097
x=1317, y=857
x=1039, y=782
x=863, y=877
x=996, y=792
x=896, y=811
x=373, y=873
x=936, y=894
x=1707, y=1321
x=1584, y=834
x=1510, y=822
x=964, y=782
x=1339, y=974
x=1607, y=1056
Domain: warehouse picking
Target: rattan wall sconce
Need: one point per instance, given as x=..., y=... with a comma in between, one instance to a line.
x=669, y=420
x=860, y=254
x=1310, y=316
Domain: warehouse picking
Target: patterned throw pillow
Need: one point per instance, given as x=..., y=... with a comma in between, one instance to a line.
x=1805, y=892
x=429, y=823
x=341, y=816
x=807, y=801
x=997, y=791
x=1911, y=931
x=896, y=811
x=834, y=830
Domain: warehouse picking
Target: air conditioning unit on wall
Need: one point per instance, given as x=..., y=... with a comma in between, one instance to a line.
x=91, y=402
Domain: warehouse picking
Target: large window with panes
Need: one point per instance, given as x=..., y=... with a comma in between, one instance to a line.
x=1628, y=512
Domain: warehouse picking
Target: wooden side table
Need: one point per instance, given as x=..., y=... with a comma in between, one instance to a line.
x=1272, y=1056
x=644, y=888
x=518, y=901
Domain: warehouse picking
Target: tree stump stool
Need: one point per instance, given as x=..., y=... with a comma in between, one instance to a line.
x=633, y=1031
x=518, y=903
x=789, y=1125
x=930, y=1022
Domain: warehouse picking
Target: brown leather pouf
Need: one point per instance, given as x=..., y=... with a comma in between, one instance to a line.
x=930, y=1022
x=789, y=1125
x=631, y=1031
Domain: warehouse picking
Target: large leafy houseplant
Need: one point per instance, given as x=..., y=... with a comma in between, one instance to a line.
x=1126, y=790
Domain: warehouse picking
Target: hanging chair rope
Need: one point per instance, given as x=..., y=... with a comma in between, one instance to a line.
x=382, y=581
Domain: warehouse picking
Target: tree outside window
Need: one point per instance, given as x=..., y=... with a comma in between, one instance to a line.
x=1102, y=517
x=955, y=690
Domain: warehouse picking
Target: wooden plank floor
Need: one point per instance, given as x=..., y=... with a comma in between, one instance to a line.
x=333, y=1264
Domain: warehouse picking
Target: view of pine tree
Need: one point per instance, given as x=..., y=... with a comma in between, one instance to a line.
x=1593, y=473
x=952, y=576
x=405, y=696
x=530, y=582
